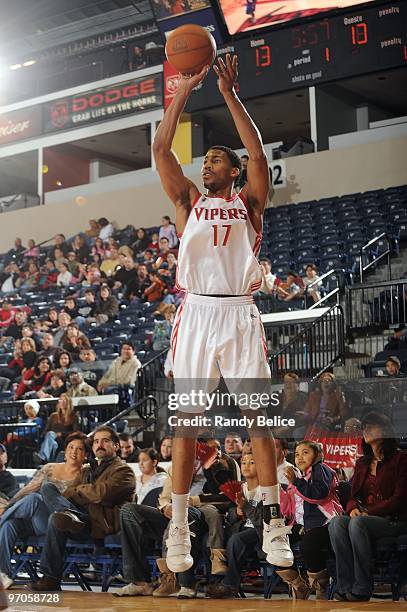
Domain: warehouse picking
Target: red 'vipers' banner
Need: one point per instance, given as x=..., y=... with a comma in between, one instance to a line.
x=340, y=450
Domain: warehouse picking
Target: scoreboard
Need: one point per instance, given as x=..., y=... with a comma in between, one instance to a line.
x=357, y=42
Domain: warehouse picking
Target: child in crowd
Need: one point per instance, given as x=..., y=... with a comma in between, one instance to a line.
x=318, y=488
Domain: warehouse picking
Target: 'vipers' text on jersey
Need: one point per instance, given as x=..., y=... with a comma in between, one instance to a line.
x=218, y=249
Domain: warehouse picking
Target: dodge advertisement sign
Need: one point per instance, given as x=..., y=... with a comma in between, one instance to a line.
x=137, y=95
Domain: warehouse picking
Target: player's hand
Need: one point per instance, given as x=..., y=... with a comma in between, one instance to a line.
x=188, y=82
x=226, y=73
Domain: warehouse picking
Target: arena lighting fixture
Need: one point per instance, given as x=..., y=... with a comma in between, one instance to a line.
x=15, y=66
x=30, y=62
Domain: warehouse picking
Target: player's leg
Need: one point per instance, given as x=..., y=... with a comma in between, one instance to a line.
x=193, y=358
x=244, y=365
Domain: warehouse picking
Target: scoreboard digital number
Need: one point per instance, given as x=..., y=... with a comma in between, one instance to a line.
x=314, y=52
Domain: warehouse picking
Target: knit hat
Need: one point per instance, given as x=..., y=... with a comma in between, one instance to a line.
x=34, y=405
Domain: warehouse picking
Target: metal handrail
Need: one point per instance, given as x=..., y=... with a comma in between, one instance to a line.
x=308, y=289
x=363, y=268
x=306, y=331
x=135, y=407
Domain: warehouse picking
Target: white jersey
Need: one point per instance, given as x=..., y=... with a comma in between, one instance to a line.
x=218, y=249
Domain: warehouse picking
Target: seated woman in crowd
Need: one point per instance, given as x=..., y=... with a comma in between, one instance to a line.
x=32, y=250
x=151, y=477
x=326, y=405
x=31, y=277
x=377, y=508
x=13, y=369
x=318, y=487
x=64, y=361
x=166, y=448
x=99, y=248
x=106, y=306
x=80, y=248
x=74, y=341
x=34, y=378
x=26, y=513
x=141, y=243
x=52, y=320
x=155, y=291
x=59, y=424
x=65, y=277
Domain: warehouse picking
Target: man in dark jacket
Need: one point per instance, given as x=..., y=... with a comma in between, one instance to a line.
x=89, y=508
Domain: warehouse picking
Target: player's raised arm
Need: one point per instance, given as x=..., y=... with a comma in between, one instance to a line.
x=179, y=189
x=258, y=179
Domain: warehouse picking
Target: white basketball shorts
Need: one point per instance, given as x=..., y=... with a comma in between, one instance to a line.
x=214, y=337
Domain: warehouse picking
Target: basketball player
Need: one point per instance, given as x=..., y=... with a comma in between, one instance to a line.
x=217, y=329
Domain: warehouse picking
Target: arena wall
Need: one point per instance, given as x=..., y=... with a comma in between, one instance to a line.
x=137, y=197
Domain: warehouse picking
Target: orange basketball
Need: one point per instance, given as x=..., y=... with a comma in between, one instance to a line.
x=189, y=48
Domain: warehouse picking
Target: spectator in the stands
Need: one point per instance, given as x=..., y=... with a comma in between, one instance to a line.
x=151, y=475
x=58, y=257
x=326, y=405
x=142, y=280
x=166, y=448
x=126, y=277
x=73, y=265
x=8, y=482
x=89, y=508
x=233, y=445
x=52, y=320
x=31, y=277
x=64, y=278
x=164, y=245
x=9, y=278
x=123, y=370
x=34, y=378
x=94, y=229
x=111, y=262
x=31, y=410
x=138, y=58
x=141, y=242
x=74, y=341
x=77, y=387
x=14, y=330
x=64, y=319
x=106, y=229
x=167, y=230
x=64, y=361
x=99, y=248
x=247, y=447
x=293, y=286
x=80, y=248
x=49, y=274
x=149, y=259
x=32, y=250
x=59, y=242
x=106, y=306
x=270, y=283
x=27, y=331
x=87, y=309
x=7, y=314
x=71, y=307
x=311, y=276
x=59, y=425
x=377, y=508
x=393, y=366
x=92, y=369
x=13, y=369
x=128, y=451
x=26, y=513
x=291, y=405
x=56, y=387
x=242, y=179
x=28, y=353
x=48, y=348
x=153, y=244
x=16, y=252
x=155, y=291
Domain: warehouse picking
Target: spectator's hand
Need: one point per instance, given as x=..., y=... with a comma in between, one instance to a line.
x=167, y=511
x=355, y=512
x=170, y=375
x=290, y=474
x=101, y=386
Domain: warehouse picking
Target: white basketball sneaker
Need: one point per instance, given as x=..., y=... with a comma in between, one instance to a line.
x=276, y=544
x=179, y=548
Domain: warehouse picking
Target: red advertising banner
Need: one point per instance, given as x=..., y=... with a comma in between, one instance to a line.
x=135, y=96
x=21, y=124
x=171, y=83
